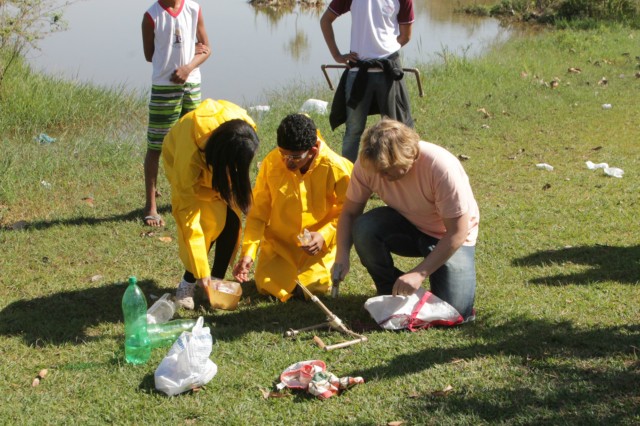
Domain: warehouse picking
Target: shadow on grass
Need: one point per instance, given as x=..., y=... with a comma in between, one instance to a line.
x=134, y=215
x=65, y=317
x=608, y=263
x=270, y=315
x=562, y=377
x=148, y=385
x=603, y=397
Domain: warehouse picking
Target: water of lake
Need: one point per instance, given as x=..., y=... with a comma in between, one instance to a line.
x=253, y=50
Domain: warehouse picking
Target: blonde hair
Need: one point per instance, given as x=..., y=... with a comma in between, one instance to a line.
x=388, y=143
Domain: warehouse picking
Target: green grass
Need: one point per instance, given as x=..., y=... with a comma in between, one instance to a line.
x=558, y=330
x=576, y=14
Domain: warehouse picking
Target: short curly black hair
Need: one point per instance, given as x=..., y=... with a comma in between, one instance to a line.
x=297, y=132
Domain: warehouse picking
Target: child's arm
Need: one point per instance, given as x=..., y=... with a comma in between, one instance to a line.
x=342, y=176
x=255, y=224
x=203, y=51
x=147, y=38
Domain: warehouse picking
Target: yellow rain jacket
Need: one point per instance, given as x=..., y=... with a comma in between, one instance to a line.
x=199, y=211
x=284, y=204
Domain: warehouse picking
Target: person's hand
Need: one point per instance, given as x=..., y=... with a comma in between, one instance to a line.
x=407, y=284
x=202, y=49
x=346, y=58
x=241, y=270
x=339, y=271
x=181, y=74
x=315, y=245
x=203, y=283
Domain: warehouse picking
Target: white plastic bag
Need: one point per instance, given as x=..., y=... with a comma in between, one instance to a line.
x=420, y=310
x=187, y=365
x=314, y=105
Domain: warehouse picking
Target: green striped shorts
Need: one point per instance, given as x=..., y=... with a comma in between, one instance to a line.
x=166, y=106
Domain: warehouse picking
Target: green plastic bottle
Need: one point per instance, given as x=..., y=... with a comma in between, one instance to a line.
x=137, y=347
x=165, y=334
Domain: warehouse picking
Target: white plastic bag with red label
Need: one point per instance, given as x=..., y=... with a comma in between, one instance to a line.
x=422, y=309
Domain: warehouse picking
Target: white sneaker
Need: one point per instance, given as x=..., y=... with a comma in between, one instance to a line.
x=184, y=294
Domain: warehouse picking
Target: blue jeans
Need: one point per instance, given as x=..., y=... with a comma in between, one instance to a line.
x=377, y=87
x=382, y=231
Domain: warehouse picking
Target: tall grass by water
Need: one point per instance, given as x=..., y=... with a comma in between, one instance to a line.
x=557, y=336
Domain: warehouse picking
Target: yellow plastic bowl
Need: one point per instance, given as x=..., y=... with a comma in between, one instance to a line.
x=224, y=294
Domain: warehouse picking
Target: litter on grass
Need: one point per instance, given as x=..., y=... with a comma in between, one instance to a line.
x=43, y=138
x=544, y=166
x=187, y=365
x=609, y=171
x=312, y=376
x=95, y=278
x=41, y=375
x=314, y=105
x=422, y=309
x=162, y=310
x=259, y=110
x=592, y=166
x=614, y=172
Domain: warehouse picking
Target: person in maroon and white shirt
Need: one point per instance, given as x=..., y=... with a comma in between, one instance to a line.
x=373, y=82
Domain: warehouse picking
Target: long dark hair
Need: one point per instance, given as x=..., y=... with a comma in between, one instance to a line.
x=229, y=152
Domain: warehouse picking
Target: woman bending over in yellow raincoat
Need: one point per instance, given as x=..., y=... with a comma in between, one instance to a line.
x=207, y=156
x=300, y=185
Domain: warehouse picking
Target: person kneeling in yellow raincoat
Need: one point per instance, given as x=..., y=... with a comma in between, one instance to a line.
x=301, y=185
x=207, y=156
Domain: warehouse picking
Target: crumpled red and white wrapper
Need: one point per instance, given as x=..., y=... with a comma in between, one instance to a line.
x=325, y=384
x=312, y=376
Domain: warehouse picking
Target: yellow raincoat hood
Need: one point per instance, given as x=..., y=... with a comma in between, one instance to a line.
x=199, y=211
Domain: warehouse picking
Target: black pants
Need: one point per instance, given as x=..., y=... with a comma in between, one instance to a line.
x=225, y=243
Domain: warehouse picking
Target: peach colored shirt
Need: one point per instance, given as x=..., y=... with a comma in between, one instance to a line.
x=435, y=187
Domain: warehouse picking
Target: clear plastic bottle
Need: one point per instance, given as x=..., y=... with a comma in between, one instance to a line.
x=305, y=237
x=162, y=310
x=137, y=347
x=166, y=333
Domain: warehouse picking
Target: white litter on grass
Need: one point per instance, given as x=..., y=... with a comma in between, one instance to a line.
x=592, y=166
x=606, y=106
x=544, y=166
x=259, y=110
x=609, y=171
x=314, y=105
x=614, y=172
x=45, y=184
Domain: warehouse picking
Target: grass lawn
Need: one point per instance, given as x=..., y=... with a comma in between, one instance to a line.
x=557, y=335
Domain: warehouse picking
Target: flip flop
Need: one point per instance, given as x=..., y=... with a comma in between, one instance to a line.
x=153, y=217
